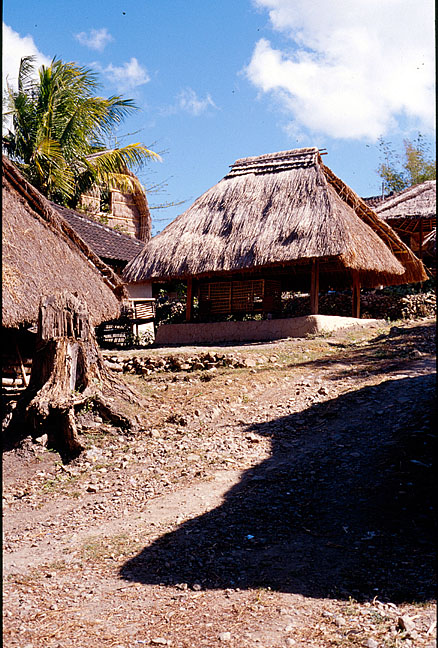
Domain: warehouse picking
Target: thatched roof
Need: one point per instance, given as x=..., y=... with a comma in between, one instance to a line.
x=278, y=211
x=106, y=242
x=429, y=243
x=43, y=255
x=418, y=202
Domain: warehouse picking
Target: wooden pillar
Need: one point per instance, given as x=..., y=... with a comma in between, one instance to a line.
x=189, y=303
x=420, y=251
x=356, y=294
x=314, y=287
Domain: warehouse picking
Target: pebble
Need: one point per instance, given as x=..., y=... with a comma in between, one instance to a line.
x=340, y=621
x=371, y=643
x=290, y=641
x=225, y=636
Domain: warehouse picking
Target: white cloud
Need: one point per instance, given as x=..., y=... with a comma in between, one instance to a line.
x=127, y=76
x=95, y=39
x=191, y=103
x=352, y=68
x=15, y=47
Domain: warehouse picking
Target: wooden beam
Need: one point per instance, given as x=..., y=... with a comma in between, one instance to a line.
x=189, y=303
x=421, y=240
x=314, y=287
x=356, y=294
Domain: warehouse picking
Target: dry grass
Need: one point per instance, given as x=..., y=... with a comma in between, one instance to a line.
x=270, y=212
x=44, y=254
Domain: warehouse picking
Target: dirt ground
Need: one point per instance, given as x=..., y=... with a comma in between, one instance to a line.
x=286, y=503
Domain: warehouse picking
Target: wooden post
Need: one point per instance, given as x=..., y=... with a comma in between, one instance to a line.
x=23, y=371
x=421, y=241
x=189, y=303
x=314, y=287
x=356, y=294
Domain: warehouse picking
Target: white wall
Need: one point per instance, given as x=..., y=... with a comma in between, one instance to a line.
x=140, y=290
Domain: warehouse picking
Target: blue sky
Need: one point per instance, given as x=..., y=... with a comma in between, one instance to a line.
x=219, y=80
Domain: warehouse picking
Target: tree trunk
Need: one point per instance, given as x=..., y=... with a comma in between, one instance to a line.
x=68, y=371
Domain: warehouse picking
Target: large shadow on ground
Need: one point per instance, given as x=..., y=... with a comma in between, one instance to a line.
x=342, y=507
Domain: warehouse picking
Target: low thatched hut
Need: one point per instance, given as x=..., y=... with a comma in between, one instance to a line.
x=275, y=222
x=54, y=283
x=43, y=255
x=411, y=213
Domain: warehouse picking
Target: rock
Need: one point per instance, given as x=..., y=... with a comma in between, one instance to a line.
x=113, y=366
x=250, y=362
x=42, y=440
x=159, y=641
x=340, y=621
x=225, y=636
x=323, y=390
x=406, y=623
x=371, y=643
x=290, y=642
x=196, y=587
x=92, y=488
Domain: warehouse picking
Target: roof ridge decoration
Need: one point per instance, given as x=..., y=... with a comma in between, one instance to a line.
x=275, y=162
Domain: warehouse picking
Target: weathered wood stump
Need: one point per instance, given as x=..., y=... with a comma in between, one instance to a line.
x=68, y=371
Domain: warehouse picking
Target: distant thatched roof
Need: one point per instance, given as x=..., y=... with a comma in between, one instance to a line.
x=429, y=243
x=418, y=202
x=106, y=242
x=278, y=211
x=43, y=255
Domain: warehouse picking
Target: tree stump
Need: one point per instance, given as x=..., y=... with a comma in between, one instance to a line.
x=68, y=371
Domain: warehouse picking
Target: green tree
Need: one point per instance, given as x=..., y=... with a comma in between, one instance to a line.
x=60, y=129
x=413, y=166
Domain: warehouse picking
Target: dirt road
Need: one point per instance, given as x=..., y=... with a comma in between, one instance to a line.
x=287, y=503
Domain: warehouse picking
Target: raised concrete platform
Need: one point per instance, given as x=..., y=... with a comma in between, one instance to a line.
x=276, y=329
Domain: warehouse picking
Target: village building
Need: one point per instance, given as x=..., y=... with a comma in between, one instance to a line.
x=412, y=214
x=116, y=249
x=127, y=212
x=42, y=254
x=275, y=222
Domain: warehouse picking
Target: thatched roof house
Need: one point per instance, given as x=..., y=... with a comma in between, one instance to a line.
x=284, y=216
x=42, y=255
x=113, y=247
x=411, y=213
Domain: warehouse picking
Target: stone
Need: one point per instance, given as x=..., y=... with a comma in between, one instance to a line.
x=406, y=623
x=225, y=636
x=371, y=643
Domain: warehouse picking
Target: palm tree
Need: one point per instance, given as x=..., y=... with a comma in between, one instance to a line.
x=59, y=129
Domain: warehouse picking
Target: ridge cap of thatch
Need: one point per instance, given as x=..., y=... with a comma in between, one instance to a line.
x=43, y=208
x=275, y=162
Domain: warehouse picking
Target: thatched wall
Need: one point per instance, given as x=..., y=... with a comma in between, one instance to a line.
x=277, y=211
x=43, y=255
